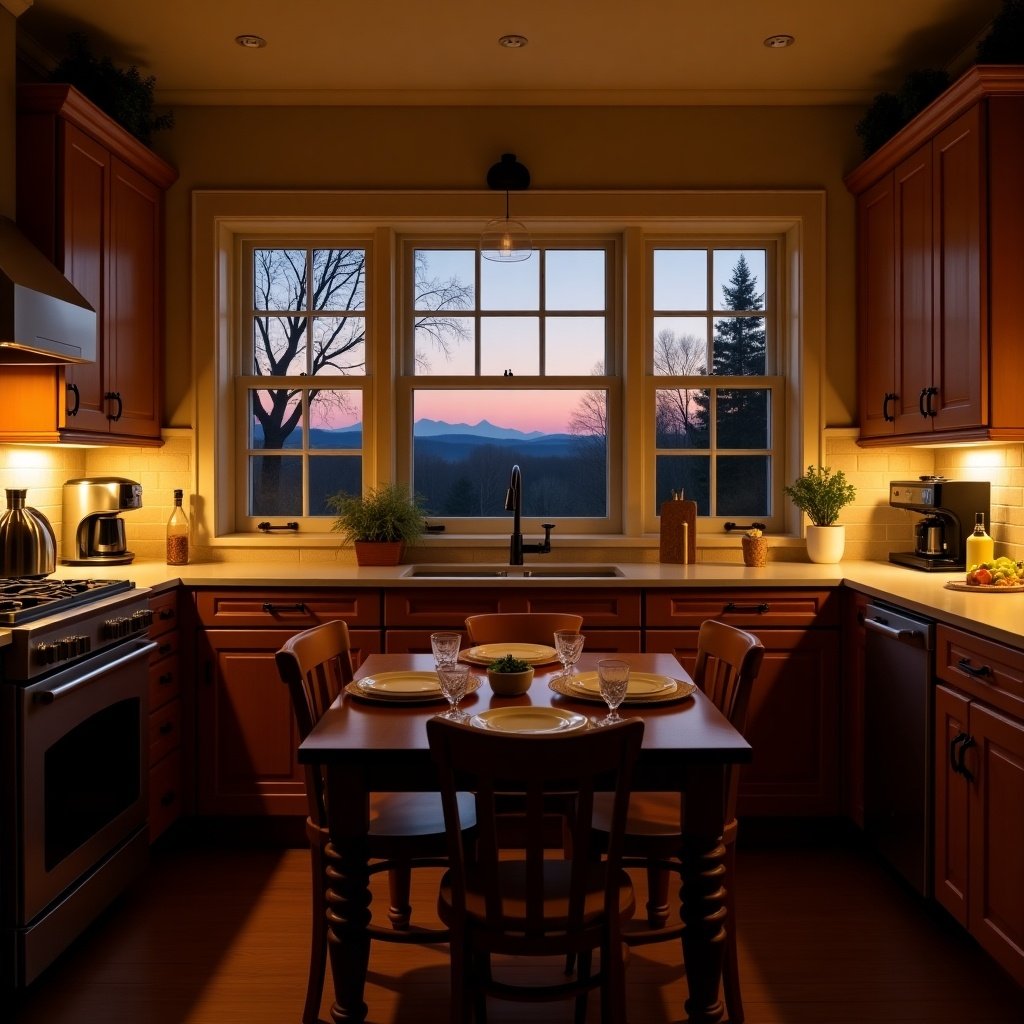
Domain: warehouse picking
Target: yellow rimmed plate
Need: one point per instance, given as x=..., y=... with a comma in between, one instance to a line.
x=680, y=691
x=532, y=654
x=532, y=720
x=641, y=684
x=403, y=687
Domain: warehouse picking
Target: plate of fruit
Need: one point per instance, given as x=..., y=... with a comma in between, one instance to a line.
x=1001, y=575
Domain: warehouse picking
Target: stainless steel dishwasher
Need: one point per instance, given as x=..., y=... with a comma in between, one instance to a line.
x=898, y=701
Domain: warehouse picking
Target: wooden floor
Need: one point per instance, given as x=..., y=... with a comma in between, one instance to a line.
x=219, y=936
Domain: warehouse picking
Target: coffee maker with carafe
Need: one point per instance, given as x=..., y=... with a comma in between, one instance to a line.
x=948, y=508
x=92, y=531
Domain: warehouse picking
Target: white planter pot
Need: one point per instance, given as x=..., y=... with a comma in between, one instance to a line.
x=825, y=544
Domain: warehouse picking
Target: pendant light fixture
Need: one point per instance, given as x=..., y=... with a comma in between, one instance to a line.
x=505, y=240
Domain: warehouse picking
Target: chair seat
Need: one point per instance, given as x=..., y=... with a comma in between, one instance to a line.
x=513, y=886
x=400, y=816
x=651, y=816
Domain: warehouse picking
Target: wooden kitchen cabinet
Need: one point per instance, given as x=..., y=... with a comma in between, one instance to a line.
x=940, y=228
x=611, y=616
x=793, y=723
x=979, y=791
x=247, y=737
x=90, y=196
x=166, y=764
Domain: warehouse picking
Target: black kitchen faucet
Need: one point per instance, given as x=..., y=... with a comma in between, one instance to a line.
x=514, y=504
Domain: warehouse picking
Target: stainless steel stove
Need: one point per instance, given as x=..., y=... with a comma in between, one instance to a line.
x=73, y=764
x=33, y=597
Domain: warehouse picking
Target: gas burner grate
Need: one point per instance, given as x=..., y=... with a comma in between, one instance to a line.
x=26, y=598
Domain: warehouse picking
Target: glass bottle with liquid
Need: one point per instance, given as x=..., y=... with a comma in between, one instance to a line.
x=177, y=533
x=979, y=544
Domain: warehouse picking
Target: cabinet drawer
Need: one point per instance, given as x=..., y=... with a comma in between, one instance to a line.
x=448, y=607
x=743, y=607
x=164, y=731
x=166, y=646
x=165, y=793
x=164, y=681
x=985, y=669
x=298, y=609
x=165, y=613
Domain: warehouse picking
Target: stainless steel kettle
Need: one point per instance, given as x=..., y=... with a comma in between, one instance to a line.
x=930, y=537
x=28, y=546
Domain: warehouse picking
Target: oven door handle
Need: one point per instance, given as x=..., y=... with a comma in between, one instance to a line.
x=132, y=650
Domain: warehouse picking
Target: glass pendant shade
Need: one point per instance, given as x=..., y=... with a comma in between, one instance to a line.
x=505, y=240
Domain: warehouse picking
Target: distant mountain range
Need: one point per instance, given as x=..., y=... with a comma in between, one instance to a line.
x=450, y=441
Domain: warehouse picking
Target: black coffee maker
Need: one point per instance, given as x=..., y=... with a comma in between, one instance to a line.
x=948, y=507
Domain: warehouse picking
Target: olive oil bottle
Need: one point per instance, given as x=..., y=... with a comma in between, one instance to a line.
x=979, y=544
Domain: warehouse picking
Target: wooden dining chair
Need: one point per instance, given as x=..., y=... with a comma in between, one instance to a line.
x=524, y=902
x=406, y=829
x=728, y=661
x=519, y=627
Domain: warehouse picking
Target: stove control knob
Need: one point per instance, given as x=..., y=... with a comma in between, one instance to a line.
x=114, y=629
x=46, y=654
x=141, y=620
x=82, y=645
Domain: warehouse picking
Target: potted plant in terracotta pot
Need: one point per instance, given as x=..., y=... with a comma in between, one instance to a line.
x=822, y=494
x=378, y=524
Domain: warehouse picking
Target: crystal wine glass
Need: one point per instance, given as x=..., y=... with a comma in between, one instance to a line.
x=445, y=647
x=613, y=676
x=454, y=680
x=568, y=647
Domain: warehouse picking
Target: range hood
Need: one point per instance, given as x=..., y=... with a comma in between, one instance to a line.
x=44, y=321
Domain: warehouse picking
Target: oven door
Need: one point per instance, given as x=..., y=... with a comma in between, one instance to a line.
x=83, y=768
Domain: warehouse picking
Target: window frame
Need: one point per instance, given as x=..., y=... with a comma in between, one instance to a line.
x=221, y=217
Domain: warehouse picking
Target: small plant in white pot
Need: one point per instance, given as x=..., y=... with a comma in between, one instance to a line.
x=822, y=494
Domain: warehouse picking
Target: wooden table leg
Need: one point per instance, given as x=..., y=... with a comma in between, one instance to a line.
x=703, y=911
x=348, y=914
x=703, y=894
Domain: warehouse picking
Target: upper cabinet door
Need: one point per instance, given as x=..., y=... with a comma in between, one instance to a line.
x=876, y=309
x=960, y=353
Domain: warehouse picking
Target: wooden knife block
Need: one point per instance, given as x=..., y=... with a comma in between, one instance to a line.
x=679, y=532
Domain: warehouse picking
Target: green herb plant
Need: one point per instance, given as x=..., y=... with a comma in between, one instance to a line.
x=508, y=664
x=385, y=513
x=821, y=494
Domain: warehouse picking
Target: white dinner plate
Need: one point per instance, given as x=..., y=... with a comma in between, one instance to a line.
x=401, y=684
x=529, y=720
x=641, y=684
x=532, y=654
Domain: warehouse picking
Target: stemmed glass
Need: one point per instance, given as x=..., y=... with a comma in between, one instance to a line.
x=614, y=681
x=445, y=647
x=454, y=680
x=568, y=647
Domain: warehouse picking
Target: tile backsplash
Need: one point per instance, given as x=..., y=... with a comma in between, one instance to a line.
x=873, y=528
x=43, y=471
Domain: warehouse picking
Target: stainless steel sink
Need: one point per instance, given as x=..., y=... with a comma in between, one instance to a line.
x=551, y=572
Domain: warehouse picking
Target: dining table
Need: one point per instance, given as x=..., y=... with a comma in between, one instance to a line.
x=366, y=745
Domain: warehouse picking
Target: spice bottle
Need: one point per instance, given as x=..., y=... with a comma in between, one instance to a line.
x=979, y=544
x=177, y=534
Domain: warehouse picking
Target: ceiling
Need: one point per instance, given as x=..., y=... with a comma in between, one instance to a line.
x=579, y=51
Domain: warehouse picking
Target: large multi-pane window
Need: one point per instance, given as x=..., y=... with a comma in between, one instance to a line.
x=513, y=369
x=477, y=366
x=717, y=399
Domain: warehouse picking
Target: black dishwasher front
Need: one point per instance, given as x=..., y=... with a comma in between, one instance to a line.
x=898, y=702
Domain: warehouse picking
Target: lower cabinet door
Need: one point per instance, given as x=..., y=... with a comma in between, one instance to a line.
x=248, y=740
x=951, y=802
x=793, y=720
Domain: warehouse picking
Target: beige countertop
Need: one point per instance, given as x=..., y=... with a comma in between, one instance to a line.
x=997, y=615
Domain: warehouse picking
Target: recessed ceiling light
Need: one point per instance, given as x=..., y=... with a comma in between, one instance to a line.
x=251, y=42
x=779, y=42
x=513, y=42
